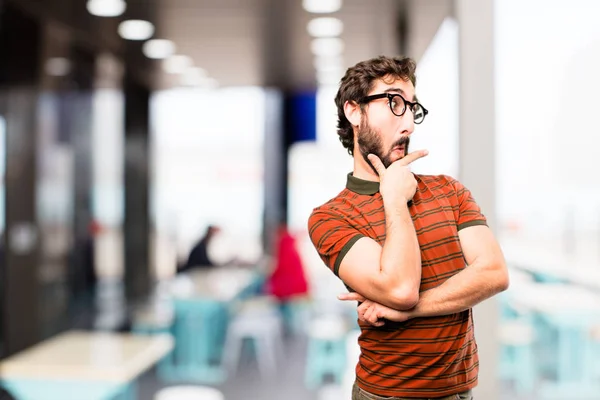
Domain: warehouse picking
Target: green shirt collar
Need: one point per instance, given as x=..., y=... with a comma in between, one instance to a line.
x=361, y=186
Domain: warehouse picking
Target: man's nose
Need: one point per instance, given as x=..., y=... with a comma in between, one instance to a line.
x=408, y=122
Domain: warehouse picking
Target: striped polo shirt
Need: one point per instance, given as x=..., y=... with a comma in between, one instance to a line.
x=422, y=357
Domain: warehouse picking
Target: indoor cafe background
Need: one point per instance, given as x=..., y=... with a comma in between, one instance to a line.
x=112, y=138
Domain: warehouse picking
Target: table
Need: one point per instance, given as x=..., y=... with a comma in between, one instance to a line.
x=581, y=268
x=201, y=300
x=78, y=365
x=220, y=284
x=573, y=311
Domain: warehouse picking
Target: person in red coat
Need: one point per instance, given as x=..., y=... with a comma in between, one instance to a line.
x=288, y=281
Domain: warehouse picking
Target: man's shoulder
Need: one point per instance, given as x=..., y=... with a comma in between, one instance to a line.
x=441, y=181
x=332, y=205
x=342, y=207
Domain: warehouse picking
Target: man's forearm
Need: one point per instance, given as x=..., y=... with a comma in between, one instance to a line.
x=401, y=255
x=464, y=290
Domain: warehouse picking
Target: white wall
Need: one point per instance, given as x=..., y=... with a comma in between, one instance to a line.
x=548, y=132
x=207, y=152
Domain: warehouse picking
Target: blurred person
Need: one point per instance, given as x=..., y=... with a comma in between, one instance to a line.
x=199, y=257
x=287, y=280
x=89, y=251
x=414, y=250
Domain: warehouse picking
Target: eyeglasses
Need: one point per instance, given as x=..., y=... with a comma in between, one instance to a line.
x=398, y=105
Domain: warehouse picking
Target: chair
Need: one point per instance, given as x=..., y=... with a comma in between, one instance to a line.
x=198, y=331
x=189, y=393
x=258, y=320
x=517, y=361
x=326, y=350
x=295, y=312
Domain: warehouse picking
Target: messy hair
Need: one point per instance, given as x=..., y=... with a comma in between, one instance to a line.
x=359, y=80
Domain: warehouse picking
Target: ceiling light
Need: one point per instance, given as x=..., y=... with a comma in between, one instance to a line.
x=193, y=77
x=177, y=64
x=210, y=83
x=325, y=27
x=57, y=66
x=327, y=46
x=322, y=6
x=201, y=82
x=136, y=29
x=158, y=48
x=328, y=63
x=331, y=77
x=106, y=8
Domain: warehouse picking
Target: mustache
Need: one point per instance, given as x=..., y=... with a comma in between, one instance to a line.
x=402, y=142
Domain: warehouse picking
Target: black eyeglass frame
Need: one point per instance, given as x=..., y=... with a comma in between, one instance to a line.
x=390, y=97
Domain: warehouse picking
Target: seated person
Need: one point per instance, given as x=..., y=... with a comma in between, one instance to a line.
x=199, y=257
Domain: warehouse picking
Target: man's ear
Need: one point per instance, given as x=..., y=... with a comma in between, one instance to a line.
x=352, y=112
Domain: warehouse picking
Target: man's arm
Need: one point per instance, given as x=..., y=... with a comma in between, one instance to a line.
x=485, y=276
x=390, y=275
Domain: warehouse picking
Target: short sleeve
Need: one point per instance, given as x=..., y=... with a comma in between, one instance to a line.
x=469, y=213
x=332, y=237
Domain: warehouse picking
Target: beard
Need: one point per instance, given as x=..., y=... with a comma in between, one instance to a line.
x=369, y=142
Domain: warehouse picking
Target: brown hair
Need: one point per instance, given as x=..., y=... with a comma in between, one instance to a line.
x=358, y=81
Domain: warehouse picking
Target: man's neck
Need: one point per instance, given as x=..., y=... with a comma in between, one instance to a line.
x=362, y=170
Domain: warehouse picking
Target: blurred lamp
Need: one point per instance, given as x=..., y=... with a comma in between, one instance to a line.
x=136, y=29
x=193, y=77
x=325, y=27
x=331, y=77
x=325, y=63
x=177, y=64
x=158, y=48
x=57, y=66
x=206, y=83
x=322, y=6
x=106, y=8
x=327, y=46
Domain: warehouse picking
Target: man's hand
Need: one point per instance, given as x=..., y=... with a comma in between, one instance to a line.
x=397, y=184
x=374, y=313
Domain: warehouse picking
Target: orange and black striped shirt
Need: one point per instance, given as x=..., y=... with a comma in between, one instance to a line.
x=422, y=357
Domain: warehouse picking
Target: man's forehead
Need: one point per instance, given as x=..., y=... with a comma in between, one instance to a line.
x=405, y=88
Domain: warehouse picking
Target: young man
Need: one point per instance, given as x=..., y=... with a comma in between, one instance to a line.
x=414, y=250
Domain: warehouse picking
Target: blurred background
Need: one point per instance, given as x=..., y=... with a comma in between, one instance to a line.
x=159, y=160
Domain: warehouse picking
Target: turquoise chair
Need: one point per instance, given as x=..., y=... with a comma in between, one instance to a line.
x=325, y=358
x=517, y=360
x=199, y=330
x=326, y=353
x=295, y=313
x=518, y=338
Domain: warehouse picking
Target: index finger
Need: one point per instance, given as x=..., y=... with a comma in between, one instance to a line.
x=377, y=164
x=411, y=157
x=351, y=296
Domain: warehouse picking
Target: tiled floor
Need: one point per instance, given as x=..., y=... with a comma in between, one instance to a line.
x=288, y=384
x=247, y=384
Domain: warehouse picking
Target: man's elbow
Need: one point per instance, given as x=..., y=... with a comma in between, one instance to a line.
x=501, y=279
x=405, y=298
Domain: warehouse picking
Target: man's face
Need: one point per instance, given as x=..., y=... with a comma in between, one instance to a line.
x=381, y=132
x=370, y=141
